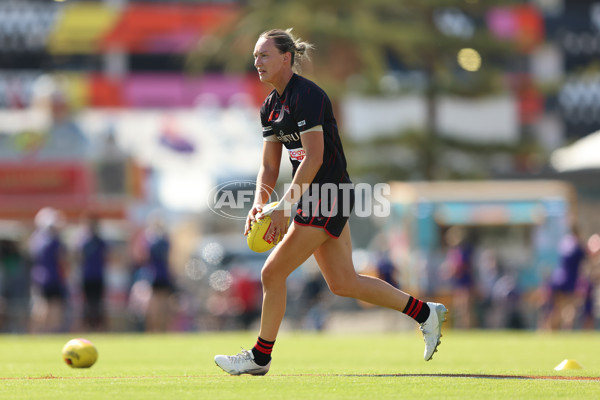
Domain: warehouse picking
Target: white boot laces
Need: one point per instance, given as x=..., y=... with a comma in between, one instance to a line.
x=242, y=356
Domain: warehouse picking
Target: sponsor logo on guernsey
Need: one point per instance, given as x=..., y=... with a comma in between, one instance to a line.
x=297, y=154
x=302, y=123
x=293, y=137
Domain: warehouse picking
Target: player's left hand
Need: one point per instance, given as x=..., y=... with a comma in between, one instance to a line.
x=279, y=225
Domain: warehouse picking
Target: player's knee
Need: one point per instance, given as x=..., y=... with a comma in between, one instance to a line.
x=343, y=287
x=271, y=275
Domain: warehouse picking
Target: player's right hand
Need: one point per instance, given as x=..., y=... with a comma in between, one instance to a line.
x=253, y=215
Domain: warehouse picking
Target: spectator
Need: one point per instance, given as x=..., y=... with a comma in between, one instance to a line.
x=490, y=271
x=49, y=272
x=93, y=252
x=563, y=281
x=386, y=270
x=459, y=269
x=584, y=292
x=314, y=295
x=14, y=288
x=586, y=285
x=153, y=250
x=247, y=292
x=507, y=297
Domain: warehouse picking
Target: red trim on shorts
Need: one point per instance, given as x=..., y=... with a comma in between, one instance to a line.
x=318, y=226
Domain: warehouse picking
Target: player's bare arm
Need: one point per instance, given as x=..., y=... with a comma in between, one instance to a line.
x=265, y=180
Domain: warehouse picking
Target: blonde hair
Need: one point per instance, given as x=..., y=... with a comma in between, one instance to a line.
x=286, y=42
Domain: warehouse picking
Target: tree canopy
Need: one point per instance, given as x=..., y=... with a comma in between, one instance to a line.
x=362, y=45
x=366, y=39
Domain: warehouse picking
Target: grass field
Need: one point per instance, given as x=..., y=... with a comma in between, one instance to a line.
x=469, y=365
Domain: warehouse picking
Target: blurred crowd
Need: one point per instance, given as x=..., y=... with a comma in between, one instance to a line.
x=55, y=283
x=486, y=294
x=70, y=276
x=64, y=277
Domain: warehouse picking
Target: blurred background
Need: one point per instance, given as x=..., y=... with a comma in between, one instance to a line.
x=119, y=118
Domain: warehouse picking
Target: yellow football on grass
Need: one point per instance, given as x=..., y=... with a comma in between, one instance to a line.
x=79, y=353
x=257, y=237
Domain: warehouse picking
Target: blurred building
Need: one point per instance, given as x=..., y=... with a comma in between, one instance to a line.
x=520, y=223
x=113, y=69
x=123, y=69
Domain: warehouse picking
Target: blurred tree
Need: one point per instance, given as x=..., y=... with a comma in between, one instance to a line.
x=359, y=43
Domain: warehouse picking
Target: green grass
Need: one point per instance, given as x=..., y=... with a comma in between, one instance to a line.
x=307, y=366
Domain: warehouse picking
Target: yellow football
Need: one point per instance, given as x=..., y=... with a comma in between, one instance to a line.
x=79, y=353
x=257, y=238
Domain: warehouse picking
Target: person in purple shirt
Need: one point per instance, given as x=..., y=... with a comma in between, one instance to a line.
x=587, y=286
x=154, y=247
x=48, y=272
x=93, y=254
x=563, y=281
x=459, y=271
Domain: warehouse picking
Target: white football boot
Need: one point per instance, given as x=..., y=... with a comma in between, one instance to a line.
x=241, y=363
x=432, y=329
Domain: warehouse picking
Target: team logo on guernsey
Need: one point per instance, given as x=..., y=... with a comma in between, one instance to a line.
x=234, y=199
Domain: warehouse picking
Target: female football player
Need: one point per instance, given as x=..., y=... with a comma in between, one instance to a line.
x=298, y=115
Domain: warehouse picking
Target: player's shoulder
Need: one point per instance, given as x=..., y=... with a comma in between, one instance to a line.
x=306, y=84
x=306, y=90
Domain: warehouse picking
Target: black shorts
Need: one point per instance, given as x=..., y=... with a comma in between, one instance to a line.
x=326, y=206
x=54, y=292
x=162, y=285
x=93, y=290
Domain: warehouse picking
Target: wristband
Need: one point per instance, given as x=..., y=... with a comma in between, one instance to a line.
x=284, y=205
